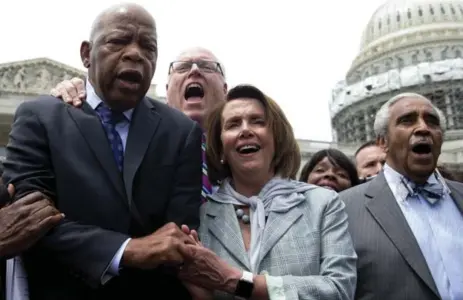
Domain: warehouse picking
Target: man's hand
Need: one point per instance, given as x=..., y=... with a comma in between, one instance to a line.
x=25, y=221
x=203, y=268
x=163, y=247
x=70, y=91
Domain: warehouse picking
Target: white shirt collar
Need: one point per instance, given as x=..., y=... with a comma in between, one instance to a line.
x=395, y=180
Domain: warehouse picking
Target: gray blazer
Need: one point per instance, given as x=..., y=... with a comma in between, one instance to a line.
x=390, y=264
x=307, y=250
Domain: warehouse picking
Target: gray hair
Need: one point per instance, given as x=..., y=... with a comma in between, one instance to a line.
x=382, y=116
x=207, y=51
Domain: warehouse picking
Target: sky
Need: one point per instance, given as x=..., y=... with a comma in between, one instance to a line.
x=295, y=51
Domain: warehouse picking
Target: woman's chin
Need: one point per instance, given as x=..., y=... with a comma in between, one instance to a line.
x=330, y=187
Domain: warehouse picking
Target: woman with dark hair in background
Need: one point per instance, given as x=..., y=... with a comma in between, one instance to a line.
x=330, y=168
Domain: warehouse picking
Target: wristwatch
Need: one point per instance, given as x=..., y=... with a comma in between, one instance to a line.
x=245, y=286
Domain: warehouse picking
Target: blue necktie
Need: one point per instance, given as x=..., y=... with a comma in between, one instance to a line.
x=109, y=119
x=432, y=192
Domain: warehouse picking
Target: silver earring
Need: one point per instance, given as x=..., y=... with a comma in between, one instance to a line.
x=222, y=161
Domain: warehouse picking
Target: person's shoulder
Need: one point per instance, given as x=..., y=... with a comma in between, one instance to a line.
x=317, y=198
x=40, y=106
x=355, y=190
x=356, y=195
x=455, y=185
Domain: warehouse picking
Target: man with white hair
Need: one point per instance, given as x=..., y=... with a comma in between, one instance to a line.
x=196, y=83
x=406, y=222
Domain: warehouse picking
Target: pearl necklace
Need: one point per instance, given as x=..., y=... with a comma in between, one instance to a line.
x=242, y=216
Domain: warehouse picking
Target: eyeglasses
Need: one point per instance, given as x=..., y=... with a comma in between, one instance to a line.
x=206, y=66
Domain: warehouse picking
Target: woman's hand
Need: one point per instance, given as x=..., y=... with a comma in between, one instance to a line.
x=205, y=269
x=193, y=234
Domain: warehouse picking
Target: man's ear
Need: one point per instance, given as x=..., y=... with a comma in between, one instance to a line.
x=225, y=88
x=85, y=48
x=382, y=142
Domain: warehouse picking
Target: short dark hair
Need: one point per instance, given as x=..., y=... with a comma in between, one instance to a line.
x=287, y=158
x=335, y=157
x=363, y=146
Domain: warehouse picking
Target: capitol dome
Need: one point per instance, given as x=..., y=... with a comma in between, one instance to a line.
x=407, y=46
x=399, y=24
x=400, y=18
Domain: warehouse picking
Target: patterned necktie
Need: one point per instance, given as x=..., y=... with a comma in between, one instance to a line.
x=207, y=187
x=432, y=192
x=109, y=119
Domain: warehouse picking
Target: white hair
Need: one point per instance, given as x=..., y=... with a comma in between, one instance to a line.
x=383, y=114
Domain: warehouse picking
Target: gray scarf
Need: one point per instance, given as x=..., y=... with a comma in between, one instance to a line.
x=278, y=195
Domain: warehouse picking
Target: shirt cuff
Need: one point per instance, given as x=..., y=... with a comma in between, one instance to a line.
x=114, y=265
x=275, y=287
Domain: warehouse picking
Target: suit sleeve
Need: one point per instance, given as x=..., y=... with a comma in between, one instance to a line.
x=185, y=198
x=85, y=250
x=338, y=273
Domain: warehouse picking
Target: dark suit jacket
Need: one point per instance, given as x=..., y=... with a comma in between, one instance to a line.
x=390, y=263
x=4, y=199
x=63, y=151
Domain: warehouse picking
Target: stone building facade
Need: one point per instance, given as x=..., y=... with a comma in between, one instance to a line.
x=25, y=80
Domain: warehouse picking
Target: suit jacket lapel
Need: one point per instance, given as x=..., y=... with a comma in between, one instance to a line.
x=386, y=211
x=457, y=195
x=223, y=224
x=278, y=225
x=143, y=125
x=90, y=126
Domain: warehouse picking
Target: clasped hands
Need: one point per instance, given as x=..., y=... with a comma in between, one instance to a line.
x=200, y=269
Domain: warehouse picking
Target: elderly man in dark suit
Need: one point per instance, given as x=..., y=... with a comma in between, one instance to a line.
x=125, y=170
x=406, y=223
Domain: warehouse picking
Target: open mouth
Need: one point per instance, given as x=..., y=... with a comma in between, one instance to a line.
x=194, y=90
x=130, y=76
x=422, y=148
x=328, y=185
x=248, y=149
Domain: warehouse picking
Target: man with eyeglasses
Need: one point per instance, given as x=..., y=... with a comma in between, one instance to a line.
x=196, y=83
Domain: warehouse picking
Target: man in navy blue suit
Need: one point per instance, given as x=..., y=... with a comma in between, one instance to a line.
x=124, y=169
